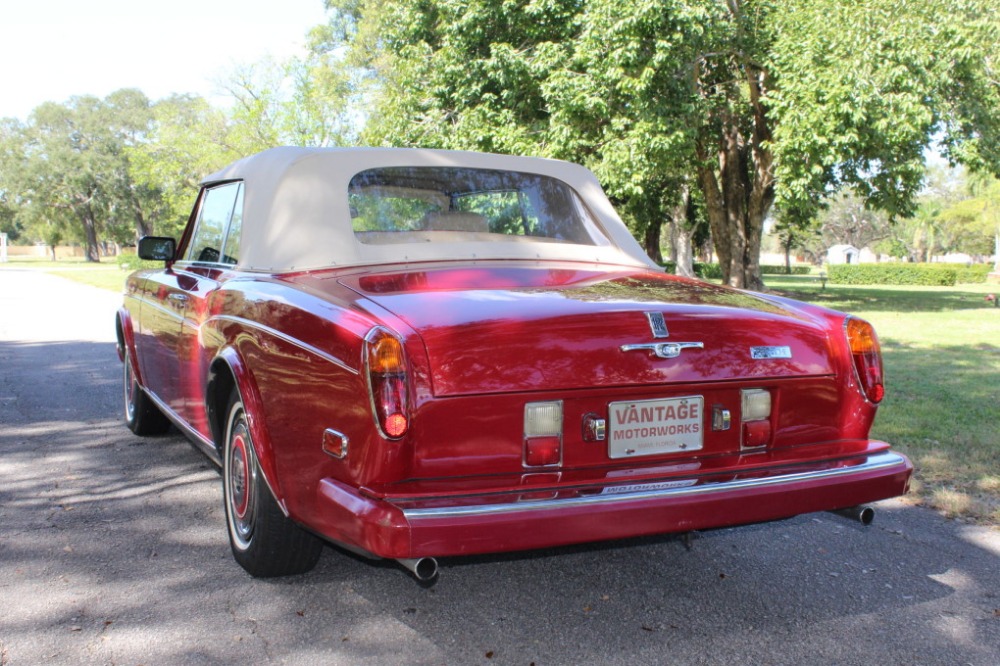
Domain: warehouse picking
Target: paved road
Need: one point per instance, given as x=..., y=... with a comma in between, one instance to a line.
x=113, y=551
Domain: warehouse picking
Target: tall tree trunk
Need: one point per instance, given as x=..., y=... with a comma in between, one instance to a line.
x=736, y=178
x=787, y=243
x=93, y=253
x=142, y=226
x=682, y=235
x=651, y=238
x=715, y=206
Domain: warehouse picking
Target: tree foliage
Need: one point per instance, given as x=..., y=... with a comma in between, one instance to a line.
x=67, y=173
x=753, y=101
x=975, y=221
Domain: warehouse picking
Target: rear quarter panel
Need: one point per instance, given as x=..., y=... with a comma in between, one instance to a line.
x=302, y=354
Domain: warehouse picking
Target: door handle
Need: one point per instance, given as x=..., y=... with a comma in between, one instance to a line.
x=180, y=298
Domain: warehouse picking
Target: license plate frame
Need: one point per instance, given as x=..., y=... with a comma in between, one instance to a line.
x=641, y=428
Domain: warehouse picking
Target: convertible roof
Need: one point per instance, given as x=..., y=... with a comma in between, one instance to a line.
x=296, y=214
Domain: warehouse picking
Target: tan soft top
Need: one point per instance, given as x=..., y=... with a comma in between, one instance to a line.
x=297, y=217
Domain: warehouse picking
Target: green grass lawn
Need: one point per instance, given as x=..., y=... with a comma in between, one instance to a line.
x=942, y=357
x=942, y=407
x=106, y=275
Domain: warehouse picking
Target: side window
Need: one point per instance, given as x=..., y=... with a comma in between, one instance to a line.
x=231, y=252
x=217, y=208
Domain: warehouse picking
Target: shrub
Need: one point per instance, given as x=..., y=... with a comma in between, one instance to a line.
x=714, y=271
x=780, y=270
x=935, y=275
x=972, y=273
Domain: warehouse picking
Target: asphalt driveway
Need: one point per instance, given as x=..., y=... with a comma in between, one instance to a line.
x=113, y=551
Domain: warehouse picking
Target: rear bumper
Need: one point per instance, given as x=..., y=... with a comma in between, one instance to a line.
x=541, y=518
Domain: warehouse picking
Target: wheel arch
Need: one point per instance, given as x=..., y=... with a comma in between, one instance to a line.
x=125, y=339
x=228, y=372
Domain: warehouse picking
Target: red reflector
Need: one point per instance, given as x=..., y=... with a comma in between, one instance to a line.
x=539, y=451
x=756, y=433
x=395, y=425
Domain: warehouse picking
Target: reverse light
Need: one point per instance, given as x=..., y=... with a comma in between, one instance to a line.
x=385, y=361
x=543, y=433
x=755, y=414
x=867, y=355
x=756, y=404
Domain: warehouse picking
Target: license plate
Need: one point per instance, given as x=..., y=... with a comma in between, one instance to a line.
x=650, y=427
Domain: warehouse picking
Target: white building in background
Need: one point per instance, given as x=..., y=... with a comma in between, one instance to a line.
x=843, y=254
x=953, y=258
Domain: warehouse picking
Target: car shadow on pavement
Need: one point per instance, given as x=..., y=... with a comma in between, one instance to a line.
x=113, y=550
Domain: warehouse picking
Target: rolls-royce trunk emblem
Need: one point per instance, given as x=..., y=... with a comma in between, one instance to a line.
x=657, y=324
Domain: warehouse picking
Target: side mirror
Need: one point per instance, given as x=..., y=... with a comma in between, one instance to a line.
x=157, y=248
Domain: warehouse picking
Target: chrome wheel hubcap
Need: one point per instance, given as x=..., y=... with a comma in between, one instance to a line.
x=130, y=387
x=241, y=474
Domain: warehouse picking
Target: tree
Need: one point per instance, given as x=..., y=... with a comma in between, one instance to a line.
x=186, y=141
x=69, y=169
x=505, y=77
x=977, y=218
x=755, y=101
x=301, y=101
x=10, y=151
x=848, y=221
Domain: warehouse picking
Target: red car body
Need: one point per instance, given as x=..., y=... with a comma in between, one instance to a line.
x=447, y=406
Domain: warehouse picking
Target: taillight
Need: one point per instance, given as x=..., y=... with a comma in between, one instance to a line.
x=385, y=361
x=755, y=414
x=543, y=434
x=867, y=357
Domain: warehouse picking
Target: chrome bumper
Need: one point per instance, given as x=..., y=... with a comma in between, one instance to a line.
x=875, y=464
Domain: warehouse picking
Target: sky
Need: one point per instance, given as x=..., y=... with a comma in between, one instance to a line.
x=51, y=50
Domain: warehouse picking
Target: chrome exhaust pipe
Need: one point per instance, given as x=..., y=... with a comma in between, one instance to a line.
x=862, y=513
x=423, y=568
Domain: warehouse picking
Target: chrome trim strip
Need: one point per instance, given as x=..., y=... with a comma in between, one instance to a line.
x=664, y=349
x=882, y=461
x=287, y=338
x=155, y=304
x=206, y=446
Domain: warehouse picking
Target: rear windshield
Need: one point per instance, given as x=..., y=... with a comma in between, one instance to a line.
x=451, y=204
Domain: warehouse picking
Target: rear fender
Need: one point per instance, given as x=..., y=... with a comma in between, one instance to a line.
x=229, y=370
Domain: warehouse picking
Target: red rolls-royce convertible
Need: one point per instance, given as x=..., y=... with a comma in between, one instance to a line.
x=415, y=354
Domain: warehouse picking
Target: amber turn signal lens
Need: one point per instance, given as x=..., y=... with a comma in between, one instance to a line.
x=385, y=355
x=862, y=337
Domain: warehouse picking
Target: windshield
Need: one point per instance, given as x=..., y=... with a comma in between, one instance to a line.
x=453, y=204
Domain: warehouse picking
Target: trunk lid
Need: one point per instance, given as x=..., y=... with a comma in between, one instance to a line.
x=501, y=329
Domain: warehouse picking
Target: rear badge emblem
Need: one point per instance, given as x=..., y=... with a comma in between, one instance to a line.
x=664, y=349
x=657, y=324
x=770, y=352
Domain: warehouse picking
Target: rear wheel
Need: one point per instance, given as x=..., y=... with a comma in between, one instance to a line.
x=264, y=541
x=142, y=416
